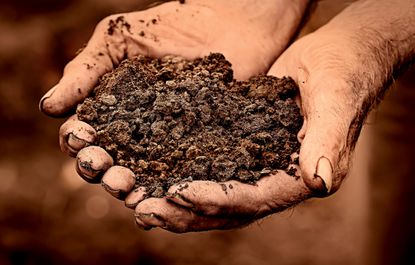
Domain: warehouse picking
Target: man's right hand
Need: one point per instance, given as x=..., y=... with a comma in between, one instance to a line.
x=342, y=71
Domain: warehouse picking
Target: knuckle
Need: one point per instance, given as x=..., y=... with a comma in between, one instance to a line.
x=103, y=24
x=107, y=23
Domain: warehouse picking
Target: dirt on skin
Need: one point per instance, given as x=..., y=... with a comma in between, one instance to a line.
x=171, y=120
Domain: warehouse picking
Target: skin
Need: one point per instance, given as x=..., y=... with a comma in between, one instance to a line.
x=191, y=30
x=342, y=70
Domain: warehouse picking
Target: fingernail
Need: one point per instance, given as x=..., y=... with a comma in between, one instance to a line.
x=75, y=142
x=151, y=219
x=179, y=199
x=81, y=137
x=140, y=224
x=119, y=194
x=118, y=181
x=45, y=97
x=324, y=171
x=92, y=162
x=86, y=171
x=136, y=196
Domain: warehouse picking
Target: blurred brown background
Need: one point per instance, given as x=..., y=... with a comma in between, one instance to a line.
x=48, y=215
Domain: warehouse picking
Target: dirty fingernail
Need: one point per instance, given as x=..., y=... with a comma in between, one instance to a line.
x=75, y=142
x=45, y=97
x=324, y=171
x=140, y=224
x=118, y=181
x=92, y=161
x=151, y=219
x=179, y=199
x=135, y=197
x=81, y=137
x=87, y=172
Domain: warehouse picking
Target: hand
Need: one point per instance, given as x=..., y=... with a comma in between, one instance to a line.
x=330, y=107
x=342, y=71
x=250, y=35
x=245, y=32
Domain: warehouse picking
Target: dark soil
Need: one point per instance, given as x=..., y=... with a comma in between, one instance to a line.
x=170, y=120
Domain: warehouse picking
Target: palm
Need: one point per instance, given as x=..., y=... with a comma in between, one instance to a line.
x=191, y=30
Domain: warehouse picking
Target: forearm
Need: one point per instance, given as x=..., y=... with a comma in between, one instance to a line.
x=378, y=40
x=383, y=35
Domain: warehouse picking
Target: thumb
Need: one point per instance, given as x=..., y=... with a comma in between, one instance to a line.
x=328, y=114
x=79, y=77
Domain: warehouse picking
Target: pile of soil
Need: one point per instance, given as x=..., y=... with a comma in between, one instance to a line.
x=172, y=120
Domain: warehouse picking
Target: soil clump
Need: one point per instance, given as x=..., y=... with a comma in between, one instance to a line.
x=172, y=120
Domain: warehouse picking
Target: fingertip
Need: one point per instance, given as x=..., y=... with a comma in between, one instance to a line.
x=324, y=170
x=159, y=212
x=92, y=162
x=49, y=106
x=144, y=210
x=45, y=97
x=118, y=181
x=135, y=197
x=75, y=135
x=75, y=142
x=86, y=171
x=79, y=77
x=53, y=110
x=81, y=137
x=316, y=185
x=318, y=177
x=150, y=220
x=322, y=150
x=140, y=224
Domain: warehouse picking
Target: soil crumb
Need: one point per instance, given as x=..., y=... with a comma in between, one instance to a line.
x=172, y=120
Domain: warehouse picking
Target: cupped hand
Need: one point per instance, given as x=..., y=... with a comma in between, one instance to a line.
x=249, y=34
x=244, y=31
x=334, y=104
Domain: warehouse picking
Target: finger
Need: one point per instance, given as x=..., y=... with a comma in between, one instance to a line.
x=155, y=212
x=326, y=125
x=324, y=147
x=75, y=135
x=134, y=197
x=118, y=181
x=270, y=194
x=140, y=224
x=92, y=162
x=80, y=75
